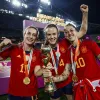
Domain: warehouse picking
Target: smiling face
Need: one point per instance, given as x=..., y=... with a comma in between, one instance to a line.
x=30, y=36
x=70, y=33
x=52, y=35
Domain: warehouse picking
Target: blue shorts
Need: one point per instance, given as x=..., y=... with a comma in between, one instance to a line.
x=67, y=90
x=12, y=97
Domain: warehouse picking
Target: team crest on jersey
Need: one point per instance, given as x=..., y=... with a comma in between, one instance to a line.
x=62, y=49
x=34, y=58
x=83, y=49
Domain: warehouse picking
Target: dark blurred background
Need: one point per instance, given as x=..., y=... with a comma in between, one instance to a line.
x=13, y=12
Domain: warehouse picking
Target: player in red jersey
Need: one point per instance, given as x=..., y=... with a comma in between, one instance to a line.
x=51, y=33
x=25, y=60
x=84, y=25
x=86, y=71
x=58, y=60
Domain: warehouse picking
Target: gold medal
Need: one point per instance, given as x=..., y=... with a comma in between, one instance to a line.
x=74, y=78
x=26, y=80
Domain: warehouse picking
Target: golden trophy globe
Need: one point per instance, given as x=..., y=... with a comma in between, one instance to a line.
x=48, y=81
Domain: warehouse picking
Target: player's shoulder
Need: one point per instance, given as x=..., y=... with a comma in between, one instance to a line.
x=64, y=42
x=88, y=41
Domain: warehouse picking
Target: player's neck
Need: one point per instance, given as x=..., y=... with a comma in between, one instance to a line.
x=27, y=47
x=53, y=45
x=75, y=42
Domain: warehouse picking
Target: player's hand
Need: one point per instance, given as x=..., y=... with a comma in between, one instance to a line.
x=49, y=66
x=6, y=42
x=46, y=72
x=84, y=8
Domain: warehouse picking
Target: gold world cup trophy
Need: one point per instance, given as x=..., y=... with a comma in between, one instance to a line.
x=48, y=81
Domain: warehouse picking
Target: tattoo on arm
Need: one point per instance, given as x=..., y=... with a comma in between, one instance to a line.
x=69, y=67
x=64, y=75
x=84, y=26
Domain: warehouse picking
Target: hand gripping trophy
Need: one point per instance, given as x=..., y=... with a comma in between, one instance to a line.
x=48, y=81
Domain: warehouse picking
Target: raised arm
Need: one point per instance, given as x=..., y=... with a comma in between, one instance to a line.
x=4, y=43
x=84, y=25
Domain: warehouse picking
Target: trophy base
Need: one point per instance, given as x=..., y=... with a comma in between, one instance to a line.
x=50, y=87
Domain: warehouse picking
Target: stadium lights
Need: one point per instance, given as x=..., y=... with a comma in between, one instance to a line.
x=16, y=3
x=20, y=14
x=39, y=10
x=6, y=11
x=31, y=18
x=12, y=12
x=46, y=1
x=24, y=5
x=8, y=0
x=28, y=16
x=49, y=3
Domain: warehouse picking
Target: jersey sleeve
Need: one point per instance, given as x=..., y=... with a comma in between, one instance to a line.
x=95, y=48
x=6, y=53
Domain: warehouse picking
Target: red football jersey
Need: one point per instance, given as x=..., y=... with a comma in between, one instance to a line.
x=16, y=85
x=86, y=65
x=62, y=62
x=65, y=43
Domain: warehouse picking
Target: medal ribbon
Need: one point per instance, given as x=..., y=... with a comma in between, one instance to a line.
x=27, y=66
x=77, y=51
x=57, y=56
x=55, y=63
x=75, y=58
